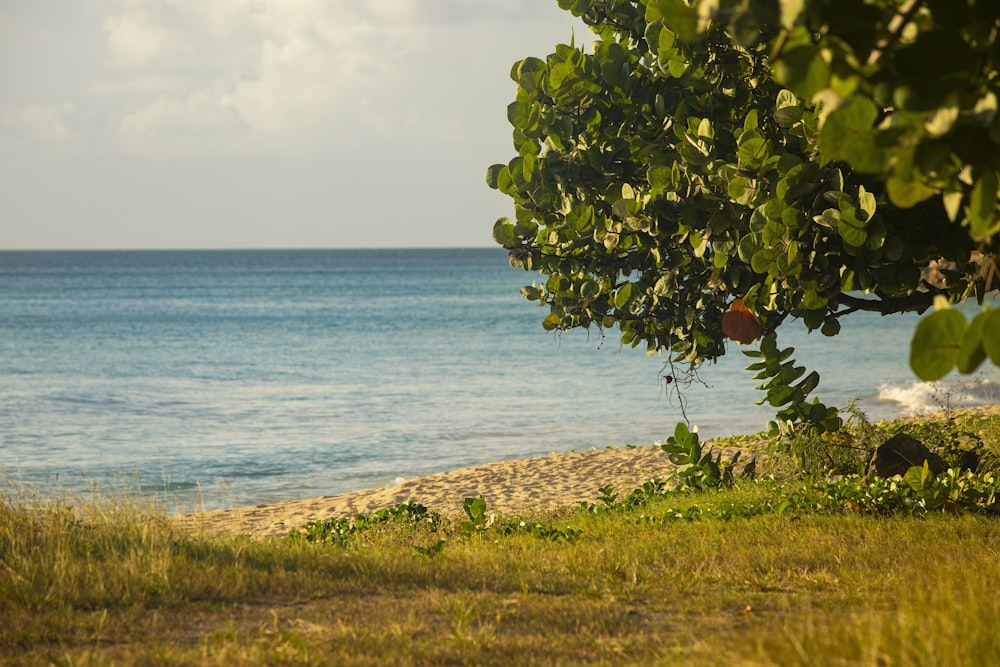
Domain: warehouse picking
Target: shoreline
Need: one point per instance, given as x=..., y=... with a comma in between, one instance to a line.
x=511, y=487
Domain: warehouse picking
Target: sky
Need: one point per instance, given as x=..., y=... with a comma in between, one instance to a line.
x=133, y=124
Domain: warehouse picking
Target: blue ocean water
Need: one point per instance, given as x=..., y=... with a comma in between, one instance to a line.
x=226, y=378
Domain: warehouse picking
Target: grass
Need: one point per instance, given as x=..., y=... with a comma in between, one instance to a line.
x=106, y=581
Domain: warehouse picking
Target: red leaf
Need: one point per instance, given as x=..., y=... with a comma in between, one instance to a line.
x=741, y=324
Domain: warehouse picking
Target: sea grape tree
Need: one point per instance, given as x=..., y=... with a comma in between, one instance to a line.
x=710, y=171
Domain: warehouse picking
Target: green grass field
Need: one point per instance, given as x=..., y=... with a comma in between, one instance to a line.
x=748, y=579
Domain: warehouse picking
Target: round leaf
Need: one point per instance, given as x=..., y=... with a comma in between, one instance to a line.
x=991, y=336
x=741, y=324
x=848, y=135
x=936, y=342
x=971, y=354
x=803, y=70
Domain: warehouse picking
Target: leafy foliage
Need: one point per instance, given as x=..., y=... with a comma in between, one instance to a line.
x=699, y=469
x=808, y=159
x=638, y=497
x=917, y=492
x=342, y=530
x=475, y=510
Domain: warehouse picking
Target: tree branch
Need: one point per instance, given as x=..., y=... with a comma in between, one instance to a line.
x=918, y=302
x=895, y=29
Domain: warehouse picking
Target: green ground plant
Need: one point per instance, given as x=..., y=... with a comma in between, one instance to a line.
x=340, y=530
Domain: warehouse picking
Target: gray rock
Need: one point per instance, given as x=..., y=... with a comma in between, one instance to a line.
x=901, y=452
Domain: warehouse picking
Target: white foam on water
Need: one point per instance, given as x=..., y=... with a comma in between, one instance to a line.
x=923, y=397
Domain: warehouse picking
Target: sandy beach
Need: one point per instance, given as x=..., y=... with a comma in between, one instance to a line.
x=558, y=480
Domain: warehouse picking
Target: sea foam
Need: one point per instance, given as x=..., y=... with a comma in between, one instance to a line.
x=923, y=397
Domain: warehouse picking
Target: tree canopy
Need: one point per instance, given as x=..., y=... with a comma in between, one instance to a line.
x=714, y=169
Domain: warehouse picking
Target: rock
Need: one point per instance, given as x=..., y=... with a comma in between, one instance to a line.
x=901, y=452
x=968, y=460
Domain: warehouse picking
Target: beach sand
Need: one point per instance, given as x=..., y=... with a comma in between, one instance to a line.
x=521, y=486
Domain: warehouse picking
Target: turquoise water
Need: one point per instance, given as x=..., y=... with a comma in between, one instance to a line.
x=243, y=377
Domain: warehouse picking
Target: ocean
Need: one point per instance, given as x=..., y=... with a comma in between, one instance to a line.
x=207, y=379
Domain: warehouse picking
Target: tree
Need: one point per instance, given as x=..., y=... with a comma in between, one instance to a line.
x=722, y=168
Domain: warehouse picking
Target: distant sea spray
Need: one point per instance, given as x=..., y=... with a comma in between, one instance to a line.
x=918, y=398
x=242, y=377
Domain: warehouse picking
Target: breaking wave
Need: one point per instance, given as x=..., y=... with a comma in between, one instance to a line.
x=923, y=397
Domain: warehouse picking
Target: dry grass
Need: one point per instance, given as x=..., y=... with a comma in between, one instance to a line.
x=109, y=581
x=106, y=584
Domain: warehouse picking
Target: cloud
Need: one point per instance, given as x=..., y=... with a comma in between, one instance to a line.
x=182, y=125
x=276, y=72
x=136, y=40
x=291, y=76
x=35, y=124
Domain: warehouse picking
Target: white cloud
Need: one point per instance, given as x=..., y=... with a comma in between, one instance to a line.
x=182, y=125
x=136, y=40
x=35, y=124
x=281, y=72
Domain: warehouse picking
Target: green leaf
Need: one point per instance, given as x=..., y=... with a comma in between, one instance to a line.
x=803, y=70
x=531, y=293
x=551, y=322
x=936, y=343
x=786, y=99
x=830, y=218
x=519, y=114
x=623, y=295
x=867, y=202
x=790, y=12
x=581, y=219
x=908, y=192
x=677, y=16
x=752, y=153
x=660, y=177
x=681, y=433
x=528, y=166
x=919, y=478
x=807, y=385
x=831, y=327
x=743, y=28
x=748, y=247
x=589, y=289
x=983, y=221
x=942, y=120
x=971, y=354
x=851, y=229
x=741, y=190
x=475, y=509
x=952, y=203
x=991, y=336
x=665, y=42
x=848, y=135
x=503, y=233
x=493, y=174
x=763, y=261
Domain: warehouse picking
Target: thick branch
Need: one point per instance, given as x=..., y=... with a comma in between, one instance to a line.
x=918, y=301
